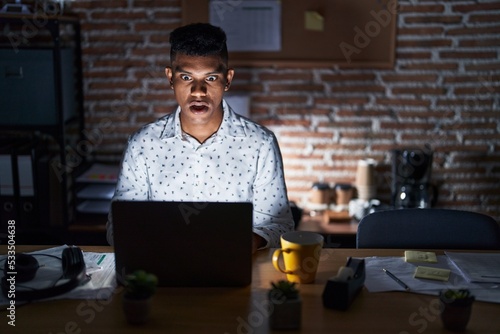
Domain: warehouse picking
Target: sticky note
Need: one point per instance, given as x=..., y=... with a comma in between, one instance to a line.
x=420, y=256
x=314, y=21
x=437, y=274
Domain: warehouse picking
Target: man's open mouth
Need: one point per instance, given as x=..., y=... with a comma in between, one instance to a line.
x=198, y=107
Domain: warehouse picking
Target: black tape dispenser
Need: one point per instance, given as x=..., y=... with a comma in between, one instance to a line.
x=341, y=290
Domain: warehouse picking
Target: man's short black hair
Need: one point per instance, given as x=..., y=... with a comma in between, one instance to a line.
x=198, y=39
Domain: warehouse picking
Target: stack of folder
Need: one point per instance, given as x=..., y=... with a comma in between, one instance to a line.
x=28, y=194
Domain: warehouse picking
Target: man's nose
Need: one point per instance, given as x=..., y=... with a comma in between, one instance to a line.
x=199, y=88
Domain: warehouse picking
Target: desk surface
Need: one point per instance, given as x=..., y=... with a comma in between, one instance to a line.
x=242, y=310
x=320, y=225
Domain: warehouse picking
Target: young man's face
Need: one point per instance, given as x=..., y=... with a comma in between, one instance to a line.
x=199, y=84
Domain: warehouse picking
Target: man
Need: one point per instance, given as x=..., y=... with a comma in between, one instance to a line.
x=204, y=151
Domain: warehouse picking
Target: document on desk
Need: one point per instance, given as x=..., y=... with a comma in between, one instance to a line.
x=378, y=281
x=100, y=269
x=477, y=267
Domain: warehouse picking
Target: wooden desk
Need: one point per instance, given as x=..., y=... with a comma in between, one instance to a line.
x=336, y=233
x=243, y=310
x=319, y=225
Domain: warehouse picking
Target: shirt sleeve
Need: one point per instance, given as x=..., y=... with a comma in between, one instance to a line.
x=272, y=214
x=132, y=184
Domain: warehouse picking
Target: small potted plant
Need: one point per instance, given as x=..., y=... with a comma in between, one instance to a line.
x=285, y=305
x=456, y=307
x=140, y=287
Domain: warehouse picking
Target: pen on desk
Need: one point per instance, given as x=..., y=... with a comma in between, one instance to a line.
x=400, y=282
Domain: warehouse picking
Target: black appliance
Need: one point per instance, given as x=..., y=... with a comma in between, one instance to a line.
x=411, y=172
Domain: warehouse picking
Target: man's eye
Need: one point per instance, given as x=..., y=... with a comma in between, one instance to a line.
x=211, y=78
x=185, y=77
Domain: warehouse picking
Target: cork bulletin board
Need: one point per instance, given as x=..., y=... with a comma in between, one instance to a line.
x=347, y=33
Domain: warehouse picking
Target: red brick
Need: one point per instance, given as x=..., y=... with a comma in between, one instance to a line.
x=105, y=27
x=344, y=100
x=409, y=78
x=473, y=31
x=464, y=102
x=301, y=111
x=443, y=19
x=265, y=76
x=113, y=85
x=486, y=90
x=419, y=90
x=426, y=8
x=420, y=31
x=479, y=42
x=402, y=102
x=358, y=89
x=430, y=66
x=476, y=7
x=122, y=16
x=467, y=54
x=413, y=55
x=484, y=18
x=490, y=66
x=387, y=125
x=346, y=124
x=152, y=26
x=423, y=43
x=295, y=88
x=348, y=77
x=363, y=113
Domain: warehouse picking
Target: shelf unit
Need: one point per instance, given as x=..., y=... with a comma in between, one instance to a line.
x=58, y=39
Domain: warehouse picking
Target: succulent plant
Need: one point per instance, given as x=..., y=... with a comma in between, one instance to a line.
x=140, y=284
x=283, y=290
x=456, y=296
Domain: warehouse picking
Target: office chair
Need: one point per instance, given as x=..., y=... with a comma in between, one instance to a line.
x=428, y=229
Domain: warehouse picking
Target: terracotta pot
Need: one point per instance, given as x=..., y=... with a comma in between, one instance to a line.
x=136, y=311
x=285, y=314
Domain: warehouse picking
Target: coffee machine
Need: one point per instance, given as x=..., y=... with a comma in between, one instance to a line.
x=411, y=183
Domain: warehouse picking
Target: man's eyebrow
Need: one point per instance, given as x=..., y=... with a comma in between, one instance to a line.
x=219, y=70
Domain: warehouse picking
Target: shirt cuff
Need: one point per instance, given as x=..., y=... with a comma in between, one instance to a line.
x=266, y=237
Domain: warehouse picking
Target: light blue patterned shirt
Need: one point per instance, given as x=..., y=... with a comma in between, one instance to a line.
x=241, y=162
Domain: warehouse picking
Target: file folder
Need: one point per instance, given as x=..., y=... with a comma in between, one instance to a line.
x=27, y=206
x=8, y=180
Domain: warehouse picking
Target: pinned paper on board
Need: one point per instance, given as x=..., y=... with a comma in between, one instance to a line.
x=314, y=21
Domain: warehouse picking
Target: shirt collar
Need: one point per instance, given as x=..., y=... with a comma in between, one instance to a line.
x=232, y=124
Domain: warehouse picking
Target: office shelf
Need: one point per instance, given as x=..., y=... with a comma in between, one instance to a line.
x=48, y=104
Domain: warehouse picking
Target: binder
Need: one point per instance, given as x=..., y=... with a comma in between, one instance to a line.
x=8, y=188
x=43, y=191
x=27, y=206
x=26, y=159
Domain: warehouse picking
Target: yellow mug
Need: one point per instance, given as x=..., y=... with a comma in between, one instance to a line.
x=301, y=252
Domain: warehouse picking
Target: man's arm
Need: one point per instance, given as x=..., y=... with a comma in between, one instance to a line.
x=272, y=214
x=132, y=184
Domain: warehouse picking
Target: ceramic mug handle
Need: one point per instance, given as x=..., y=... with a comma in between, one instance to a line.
x=276, y=256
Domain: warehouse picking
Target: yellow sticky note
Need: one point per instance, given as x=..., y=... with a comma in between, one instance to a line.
x=432, y=273
x=420, y=256
x=314, y=21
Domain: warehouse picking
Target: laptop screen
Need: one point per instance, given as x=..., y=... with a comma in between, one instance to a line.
x=184, y=243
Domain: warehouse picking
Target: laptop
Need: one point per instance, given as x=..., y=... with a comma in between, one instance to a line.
x=185, y=244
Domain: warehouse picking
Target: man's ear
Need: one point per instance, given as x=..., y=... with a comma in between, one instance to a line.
x=169, y=74
x=229, y=78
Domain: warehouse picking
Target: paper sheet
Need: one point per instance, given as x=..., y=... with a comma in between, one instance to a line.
x=377, y=281
x=477, y=267
x=249, y=25
x=100, y=267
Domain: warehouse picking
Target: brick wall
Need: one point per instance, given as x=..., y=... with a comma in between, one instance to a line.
x=443, y=91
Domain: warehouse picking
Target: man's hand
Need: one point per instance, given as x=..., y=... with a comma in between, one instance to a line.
x=257, y=242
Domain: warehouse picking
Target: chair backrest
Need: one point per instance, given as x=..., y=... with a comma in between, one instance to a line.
x=428, y=229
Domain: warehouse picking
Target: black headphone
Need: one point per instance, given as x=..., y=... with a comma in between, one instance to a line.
x=26, y=267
